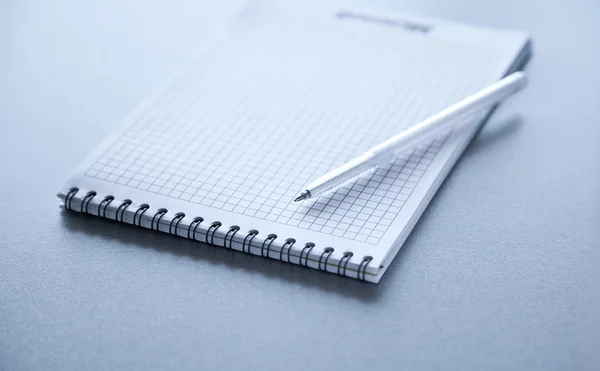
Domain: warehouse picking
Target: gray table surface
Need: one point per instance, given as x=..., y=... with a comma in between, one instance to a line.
x=495, y=276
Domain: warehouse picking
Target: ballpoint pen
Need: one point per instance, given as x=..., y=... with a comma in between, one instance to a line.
x=415, y=135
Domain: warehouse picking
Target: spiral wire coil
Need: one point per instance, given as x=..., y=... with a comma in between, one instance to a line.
x=284, y=254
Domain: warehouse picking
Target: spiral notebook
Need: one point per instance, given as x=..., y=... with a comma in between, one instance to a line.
x=283, y=95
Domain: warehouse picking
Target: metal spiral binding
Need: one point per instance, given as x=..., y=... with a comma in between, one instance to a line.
x=158, y=216
x=69, y=197
x=213, y=227
x=326, y=253
x=251, y=234
x=308, y=248
x=209, y=234
x=345, y=259
x=85, y=203
x=363, y=266
x=289, y=243
x=104, y=204
x=141, y=210
x=176, y=219
x=268, y=241
x=233, y=230
x=195, y=223
x=122, y=207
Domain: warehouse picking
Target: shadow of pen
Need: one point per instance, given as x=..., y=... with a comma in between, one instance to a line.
x=489, y=135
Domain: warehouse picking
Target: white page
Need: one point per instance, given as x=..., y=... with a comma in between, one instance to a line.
x=286, y=95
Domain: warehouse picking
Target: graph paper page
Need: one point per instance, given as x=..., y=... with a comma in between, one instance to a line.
x=284, y=97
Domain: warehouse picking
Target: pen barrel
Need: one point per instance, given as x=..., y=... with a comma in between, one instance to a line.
x=414, y=136
x=453, y=116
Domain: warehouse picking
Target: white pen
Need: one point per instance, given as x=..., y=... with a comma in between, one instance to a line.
x=412, y=137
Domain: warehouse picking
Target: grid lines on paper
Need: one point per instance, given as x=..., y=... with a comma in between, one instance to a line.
x=247, y=137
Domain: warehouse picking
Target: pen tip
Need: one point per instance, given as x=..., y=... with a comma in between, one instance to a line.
x=299, y=198
x=304, y=195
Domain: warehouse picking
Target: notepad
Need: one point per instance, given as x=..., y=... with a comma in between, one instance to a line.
x=285, y=94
